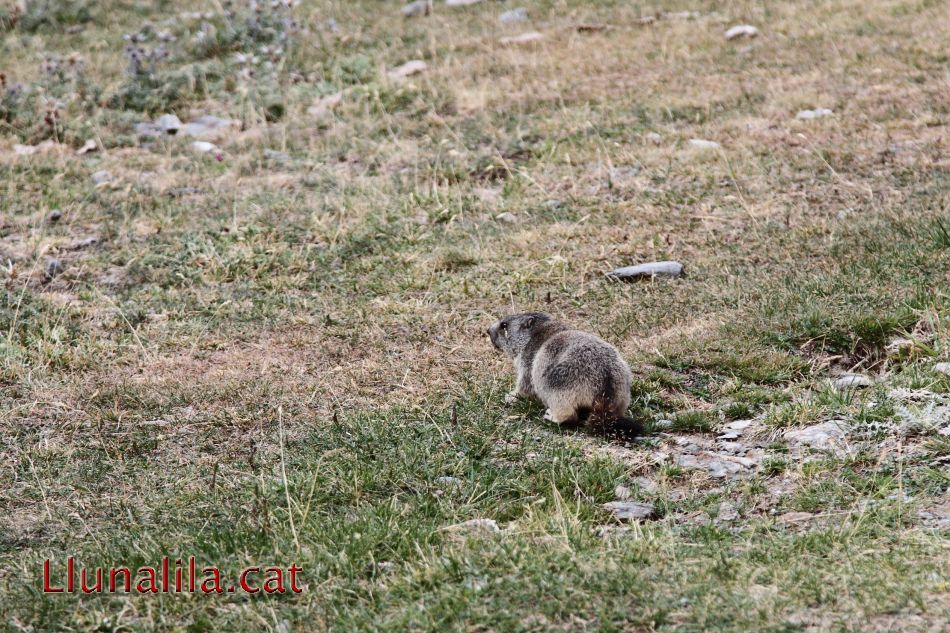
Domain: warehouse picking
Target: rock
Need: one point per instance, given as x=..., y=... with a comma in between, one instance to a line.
x=461, y=3
x=101, y=178
x=661, y=425
x=448, y=481
x=727, y=512
x=700, y=143
x=24, y=150
x=623, y=493
x=654, y=138
x=53, y=267
x=720, y=469
x=852, y=381
x=408, y=69
x=474, y=526
x=210, y=127
x=514, y=16
x=147, y=129
x=325, y=105
x=552, y=205
x=646, y=485
x=507, y=218
x=525, y=38
x=943, y=368
x=86, y=242
x=648, y=271
x=273, y=154
x=168, y=123
x=417, y=8
x=54, y=216
x=741, y=30
x=813, y=114
x=87, y=147
x=204, y=146
x=734, y=429
x=827, y=436
x=631, y=510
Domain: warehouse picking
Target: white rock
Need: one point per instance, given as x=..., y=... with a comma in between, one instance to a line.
x=646, y=485
x=168, y=123
x=210, y=127
x=623, y=493
x=817, y=113
x=741, y=30
x=488, y=526
x=701, y=143
x=630, y=510
x=507, y=218
x=827, y=436
x=513, y=16
x=461, y=3
x=417, y=8
x=408, y=69
x=943, y=368
x=727, y=512
x=852, y=381
x=649, y=270
x=524, y=38
x=654, y=138
x=24, y=150
x=101, y=177
x=87, y=147
x=448, y=481
x=204, y=146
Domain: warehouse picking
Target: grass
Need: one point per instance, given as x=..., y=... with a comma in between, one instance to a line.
x=263, y=361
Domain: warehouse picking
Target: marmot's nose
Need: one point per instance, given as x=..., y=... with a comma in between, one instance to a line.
x=488, y=332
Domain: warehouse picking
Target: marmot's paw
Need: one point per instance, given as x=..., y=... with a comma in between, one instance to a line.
x=511, y=398
x=548, y=416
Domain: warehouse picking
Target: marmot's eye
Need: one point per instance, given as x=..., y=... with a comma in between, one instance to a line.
x=504, y=329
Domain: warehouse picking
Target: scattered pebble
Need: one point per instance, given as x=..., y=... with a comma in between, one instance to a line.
x=514, y=16
x=648, y=271
x=488, y=526
x=461, y=3
x=209, y=126
x=448, y=481
x=204, y=146
x=817, y=113
x=408, y=69
x=727, y=512
x=654, y=138
x=943, y=368
x=507, y=218
x=631, y=510
x=168, y=123
x=53, y=267
x=552, y=205
x=852, y=381
x=741, y=30
x=827, y=436
x=623, y=493
x=54, y=216
x=101, y=177
x=87, y=147
x=417, y=8
x=646, y=485
x=701, y=143
x=525, y=38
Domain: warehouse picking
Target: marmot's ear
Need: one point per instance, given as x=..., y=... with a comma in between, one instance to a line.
x=528, y=323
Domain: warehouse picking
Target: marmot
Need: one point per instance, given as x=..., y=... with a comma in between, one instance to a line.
x=579, y=377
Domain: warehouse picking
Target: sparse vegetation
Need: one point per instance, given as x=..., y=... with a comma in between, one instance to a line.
x=274, y=351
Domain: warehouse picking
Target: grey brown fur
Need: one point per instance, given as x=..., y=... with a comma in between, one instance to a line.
x=579, y=377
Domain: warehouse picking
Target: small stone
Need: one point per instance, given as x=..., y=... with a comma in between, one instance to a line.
x=417, y=8
x=101, y=178
x=817, y=113
x=552, y=205
x=210, y=127
x=741, y=30
x=448, y=481
x=204, y=146
x=275, y=155
x=147, y=129
x=852, y=381
x=700, y=143
x=488, y=526
x=727, y=512
x=87, y=147
x=631, y=510
x=646, y=485
x=461, y=3
x=53, y=267
x=721, y=469
x=525, y=38
x=654, y=138
x=827, y=436
x=168, y=123
x=661, y=425
x=507, y=218
x=943, y=368
x=408, y=69
x=54, y=216
x=648, y=271
x=623, y=493
x=514, y=16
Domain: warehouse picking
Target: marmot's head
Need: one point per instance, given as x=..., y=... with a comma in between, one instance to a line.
x=511, y=334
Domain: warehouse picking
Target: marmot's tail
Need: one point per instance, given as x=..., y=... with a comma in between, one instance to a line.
x=623, y=429
x=602, y=422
